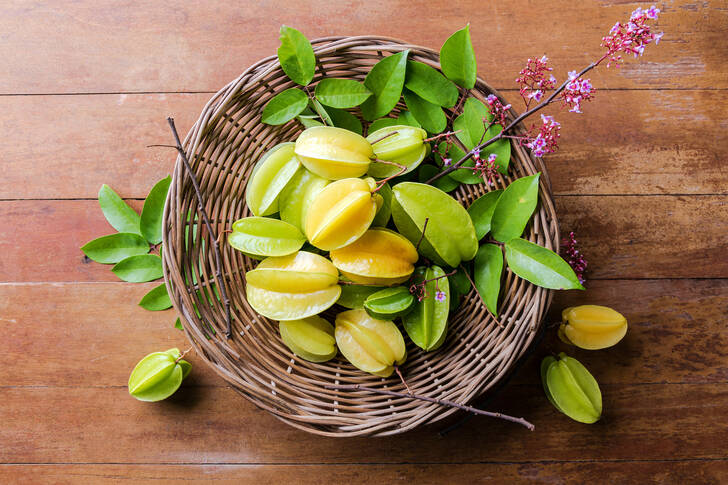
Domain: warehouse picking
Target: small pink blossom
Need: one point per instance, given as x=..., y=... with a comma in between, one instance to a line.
x=576, y=91
x=497, y=110
x=632, y=37
x=573, y=256
x=533, y=80
x=440, y=296
x=546, y=140
x=487, y=169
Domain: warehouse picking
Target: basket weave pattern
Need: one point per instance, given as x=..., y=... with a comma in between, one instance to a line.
x=222, y=147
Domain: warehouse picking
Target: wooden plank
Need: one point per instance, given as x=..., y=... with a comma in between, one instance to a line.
x=624, y=472
x=626, y=142
x=213, y=425
x=677, y=334
x=107, y=47
x=649, y=237
x=615, y=234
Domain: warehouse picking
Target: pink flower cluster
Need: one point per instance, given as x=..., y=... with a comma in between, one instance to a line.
x=497, y=110
x=632, y=37
x=487, y=169
x=533, y=81
x=576, y=91
x=574, y=257
x=546, y=140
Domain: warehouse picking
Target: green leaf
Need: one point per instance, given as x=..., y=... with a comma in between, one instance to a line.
x=385, y=81
x=481, y=212
x=138, y=269
x=487, y=275
x=296, y=56
x=457, y=58
x=151, y=220
x=407, y=118
x=319, y=109
x=382, y=123
x=429, y=84
x=540, y=266
x=121, y=217
x=426, y=324
x=444, y=183
x=514, y=208
x=115, y=247
x=346, y=120
x=430, y=116
x=157, y=299
x=341, y=93
x=309, y=121
x=178, y=324
x=284, y=106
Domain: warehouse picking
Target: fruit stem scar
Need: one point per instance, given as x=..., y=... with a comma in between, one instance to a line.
x=441, y=402
x=384, y=137
x=380, y=184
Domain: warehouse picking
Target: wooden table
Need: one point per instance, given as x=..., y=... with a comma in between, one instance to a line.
x=641, y=176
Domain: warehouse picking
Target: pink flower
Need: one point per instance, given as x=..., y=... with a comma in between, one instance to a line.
x=532, y=80
x=546, y=140
x=574, y=257
x=487, y=169
x=632, y=37
x=440, y=296
x=576, y=91
x=497, y=110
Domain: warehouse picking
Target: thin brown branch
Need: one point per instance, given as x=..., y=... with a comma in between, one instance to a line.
x=440, y=402
x=422, y=236
x=511, y=125
x=401, y=378
x=384, y=137
x=215, y=246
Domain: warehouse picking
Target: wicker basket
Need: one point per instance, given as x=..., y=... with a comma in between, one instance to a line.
x=222, y=148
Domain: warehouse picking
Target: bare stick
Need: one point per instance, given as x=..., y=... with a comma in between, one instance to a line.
x=422, y=236
x=401, y=378
x=441, y=402
x=384, y=137
x=216, y=247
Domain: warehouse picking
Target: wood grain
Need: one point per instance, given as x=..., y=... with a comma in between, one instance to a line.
x=615, y=233
x=212, y=425
x=677, y=334
x=106, y=46
x=654, y=150
x=624, y=472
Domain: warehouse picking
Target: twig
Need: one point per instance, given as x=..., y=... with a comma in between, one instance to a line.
x=441, y=402
x=218, y=272
x=422, y=236
x=384, y=137
x=402, y=169
x=512, y=124
x=182, y=355
x=401, y=378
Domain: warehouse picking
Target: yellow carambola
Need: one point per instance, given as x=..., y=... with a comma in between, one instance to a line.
x=341, y=213
x=371, y=345
x=592, y=327
x=310, y=338
x=399, y=144
x=380, y=257
x=292, y=287
x=334, y=153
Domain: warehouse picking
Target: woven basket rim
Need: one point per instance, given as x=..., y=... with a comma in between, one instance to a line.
x=222, y=146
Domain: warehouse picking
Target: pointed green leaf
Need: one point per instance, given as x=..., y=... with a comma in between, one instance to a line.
x=426, y=324
x=382, y=123
x=430, y=116
x=138, y=269
x=346, y=120
x=121, y=217
x=178, y=324
x=284, y=106
x=408, y=119
x=157, y=299
x=514, y=208
x=341, y=93
x=481, y=212
x=151, y=220
x=319, y=109
x=540, y=266
x=444, y=183
x=309, y=122
x=457, y=58
x=115, y=247
x=487, y=275
x=296, y=56
x=429, y=84
x=385, y=81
